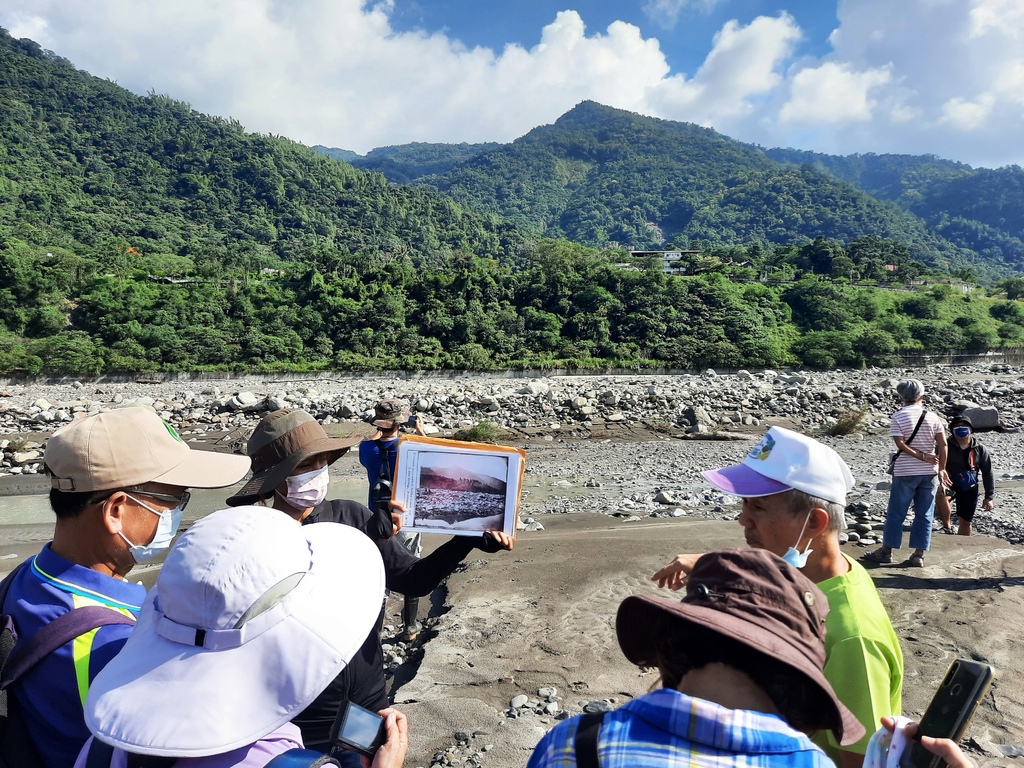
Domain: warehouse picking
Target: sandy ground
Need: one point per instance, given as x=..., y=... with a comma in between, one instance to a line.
x=542, y=615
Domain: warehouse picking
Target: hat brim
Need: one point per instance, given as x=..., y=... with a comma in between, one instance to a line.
x=160, y=697
x=206, y=469
x=262, y=484
x=741, y=480
x=635, y=628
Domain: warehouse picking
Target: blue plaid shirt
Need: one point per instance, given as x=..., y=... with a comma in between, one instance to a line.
x=668, y=728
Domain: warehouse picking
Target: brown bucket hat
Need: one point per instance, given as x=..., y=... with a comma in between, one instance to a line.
x=281, y=441
x=756, y=598
x=388, y=413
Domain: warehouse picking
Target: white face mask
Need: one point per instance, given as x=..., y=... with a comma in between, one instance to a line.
x=793, y=556
x=308, y=489
x=170, y=519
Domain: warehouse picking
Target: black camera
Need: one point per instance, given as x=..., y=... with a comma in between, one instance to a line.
x=381, y=493
x=359, y=730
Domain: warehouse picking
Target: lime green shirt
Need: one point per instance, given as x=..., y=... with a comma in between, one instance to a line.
x=863, y=660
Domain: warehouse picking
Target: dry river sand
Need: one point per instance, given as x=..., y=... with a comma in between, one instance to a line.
x=542, y=616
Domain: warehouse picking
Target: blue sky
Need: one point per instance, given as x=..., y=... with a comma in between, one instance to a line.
x=682, y=29
x=943, y=77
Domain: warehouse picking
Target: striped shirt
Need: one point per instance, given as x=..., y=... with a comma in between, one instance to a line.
x=902, y=425
x=666, y=728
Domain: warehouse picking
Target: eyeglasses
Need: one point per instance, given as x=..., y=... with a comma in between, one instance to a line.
x=181, y=501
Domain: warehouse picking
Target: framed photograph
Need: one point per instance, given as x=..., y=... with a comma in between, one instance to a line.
x=453, y=487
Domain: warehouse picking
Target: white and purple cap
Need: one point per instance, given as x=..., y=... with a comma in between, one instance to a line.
x=781, y=461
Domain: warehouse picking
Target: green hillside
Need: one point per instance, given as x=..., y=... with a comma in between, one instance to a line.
x=138, y=235
x=610, y=178
x=978, y=209
x=407, y=162
x=83, y=161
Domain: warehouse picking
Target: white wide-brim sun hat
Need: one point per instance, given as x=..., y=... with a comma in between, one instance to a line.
x=252, y=616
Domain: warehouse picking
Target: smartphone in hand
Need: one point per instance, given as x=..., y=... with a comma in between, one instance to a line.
x=359, y=730
x=951, y=708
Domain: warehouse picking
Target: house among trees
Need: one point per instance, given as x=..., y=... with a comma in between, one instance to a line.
x=671, y=261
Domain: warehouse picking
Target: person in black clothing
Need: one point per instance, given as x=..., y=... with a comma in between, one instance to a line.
x=966, y=460
x=389, y=418
x=290, y=454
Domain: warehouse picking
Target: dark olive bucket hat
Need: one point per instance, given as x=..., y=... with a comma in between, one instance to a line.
x=281, y=441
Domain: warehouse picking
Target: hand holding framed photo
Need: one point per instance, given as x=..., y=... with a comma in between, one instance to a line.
x=454, y=487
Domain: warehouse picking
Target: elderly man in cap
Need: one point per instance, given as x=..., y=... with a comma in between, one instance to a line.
x=740, y=658
x=794, y=498
x=378, y=454
x=919, y=467
x=118, y=489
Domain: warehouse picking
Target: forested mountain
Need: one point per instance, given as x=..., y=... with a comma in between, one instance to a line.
x=405, y=163
x=980, y=209
x=83, y=160
x=139, y=235
x=610, y=178
x=345, y=155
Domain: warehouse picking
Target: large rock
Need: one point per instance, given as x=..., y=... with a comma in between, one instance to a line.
x=696, y=416
x=983, y=417
x=534, y=387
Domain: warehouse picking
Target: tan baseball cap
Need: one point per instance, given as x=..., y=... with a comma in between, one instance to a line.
x=132, y=446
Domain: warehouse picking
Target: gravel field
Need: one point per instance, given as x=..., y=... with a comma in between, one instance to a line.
x=612, y=491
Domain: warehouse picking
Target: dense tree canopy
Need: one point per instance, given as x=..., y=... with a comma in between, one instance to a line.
x=139, y=235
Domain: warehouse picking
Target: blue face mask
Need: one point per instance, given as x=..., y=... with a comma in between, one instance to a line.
x=168, y=526
x=795, y=557
x=961, y=432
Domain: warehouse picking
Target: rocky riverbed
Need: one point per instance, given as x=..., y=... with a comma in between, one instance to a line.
x=555, y=416
x=612, y=491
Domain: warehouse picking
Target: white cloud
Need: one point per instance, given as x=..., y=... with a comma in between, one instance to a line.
x=334, y=72
x=665, y=13
x=32, y=27
x=939, y=76
x=953, y=87
x=1005, y=17
x=743, y=66
x=966, y=115
x=833, y=93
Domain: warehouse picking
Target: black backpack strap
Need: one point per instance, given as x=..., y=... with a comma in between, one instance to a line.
x=56, y=633
x=299, y=758
x=385, y=461
x=585, y=744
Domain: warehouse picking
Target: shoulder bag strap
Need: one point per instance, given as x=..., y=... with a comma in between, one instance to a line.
x=301, y=758
x=100, y=754
x=5, y=585
x=53, y=635
x=585, y=745
x=913, y=434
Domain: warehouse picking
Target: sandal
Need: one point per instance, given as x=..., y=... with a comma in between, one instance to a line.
x=916, y=561
x=878, y=556
x=946, y=529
